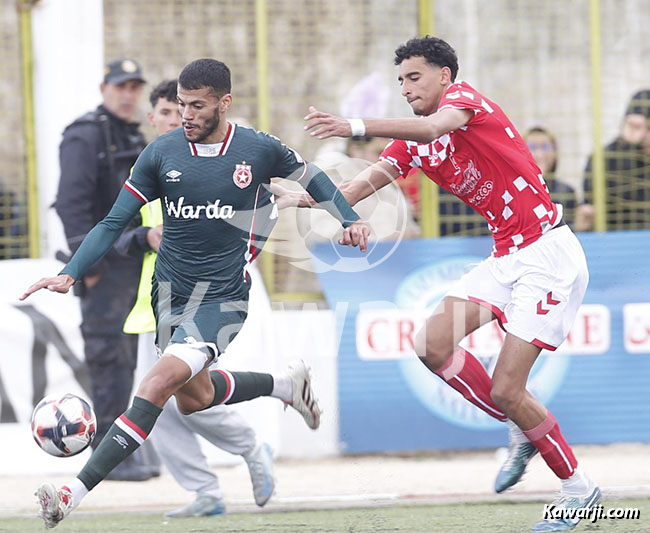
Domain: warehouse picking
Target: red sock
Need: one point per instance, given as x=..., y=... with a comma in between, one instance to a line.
x=466, y=374
x=548, y=439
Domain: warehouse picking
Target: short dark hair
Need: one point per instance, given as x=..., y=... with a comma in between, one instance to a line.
x=206, y=73
x=166, y=89
x=435, y=51
x=543, y=131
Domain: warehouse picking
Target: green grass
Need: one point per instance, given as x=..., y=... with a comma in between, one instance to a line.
x=459, y=518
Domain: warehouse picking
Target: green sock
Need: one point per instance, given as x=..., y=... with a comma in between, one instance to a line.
x=235, y=387
x=126, y=434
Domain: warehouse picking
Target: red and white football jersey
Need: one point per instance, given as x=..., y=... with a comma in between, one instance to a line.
x=488, y=166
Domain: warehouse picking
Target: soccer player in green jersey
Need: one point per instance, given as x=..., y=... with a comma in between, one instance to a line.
x=213, y=179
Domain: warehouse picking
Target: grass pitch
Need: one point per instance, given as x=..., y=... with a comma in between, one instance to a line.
x=457, y=518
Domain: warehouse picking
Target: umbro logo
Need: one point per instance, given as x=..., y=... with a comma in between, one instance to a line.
x=121, y=440
x=173, y=176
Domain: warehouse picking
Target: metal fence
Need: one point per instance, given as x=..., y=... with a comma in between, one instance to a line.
x=569, y=68
x=14, y=227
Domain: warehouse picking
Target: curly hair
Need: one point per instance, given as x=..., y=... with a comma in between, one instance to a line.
x=165, y=89
x=435, y=51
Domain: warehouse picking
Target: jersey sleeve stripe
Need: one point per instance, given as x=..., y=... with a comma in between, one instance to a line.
x=393, y=163
x=135, y=192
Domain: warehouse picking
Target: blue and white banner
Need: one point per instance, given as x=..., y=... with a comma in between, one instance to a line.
x=595, y=384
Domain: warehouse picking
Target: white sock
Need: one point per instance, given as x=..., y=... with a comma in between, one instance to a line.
x=516, y=434
x=78, y=491
x=576, y=485
x=282, y=388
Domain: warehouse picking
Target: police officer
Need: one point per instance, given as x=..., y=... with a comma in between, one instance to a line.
x=96, y=154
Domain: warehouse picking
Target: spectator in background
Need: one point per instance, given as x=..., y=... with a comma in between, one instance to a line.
x=365, y=148
x=543, y=146
x=627, y=173
x=457, y=218
x=96, y=155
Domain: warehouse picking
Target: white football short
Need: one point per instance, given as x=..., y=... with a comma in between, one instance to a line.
x=534, y=292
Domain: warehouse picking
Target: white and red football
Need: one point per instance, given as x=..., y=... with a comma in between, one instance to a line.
x=63, y=425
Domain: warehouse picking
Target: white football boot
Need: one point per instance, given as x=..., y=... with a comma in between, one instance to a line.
x=55, y=504
x=303, y=399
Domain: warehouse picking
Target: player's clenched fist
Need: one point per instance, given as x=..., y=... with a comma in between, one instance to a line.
x=356, y=234
x=60, y=283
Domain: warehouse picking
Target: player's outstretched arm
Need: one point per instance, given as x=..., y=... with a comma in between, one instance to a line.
x=367, y=182
x=423, y=130
x=98, y=241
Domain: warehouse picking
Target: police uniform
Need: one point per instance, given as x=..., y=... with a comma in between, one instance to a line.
x=96, y=155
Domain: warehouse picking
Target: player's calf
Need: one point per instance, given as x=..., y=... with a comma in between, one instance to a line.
x=553, y=447
x=464, y=373
x=293, y=389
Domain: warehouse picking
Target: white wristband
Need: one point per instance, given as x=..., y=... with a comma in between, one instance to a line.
x=357, y=126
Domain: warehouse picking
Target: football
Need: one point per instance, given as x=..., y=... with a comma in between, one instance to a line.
x=63, y=425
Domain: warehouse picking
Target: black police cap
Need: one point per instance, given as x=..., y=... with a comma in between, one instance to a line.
x=122, y=70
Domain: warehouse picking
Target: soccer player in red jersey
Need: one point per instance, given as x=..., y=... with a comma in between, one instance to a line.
x=535, y=279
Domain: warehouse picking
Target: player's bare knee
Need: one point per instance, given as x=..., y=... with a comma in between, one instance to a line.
x=187, y=406
x=191, y=404
x=431, y=352
x=505, y=397
x=158, y=387
x=149, y=390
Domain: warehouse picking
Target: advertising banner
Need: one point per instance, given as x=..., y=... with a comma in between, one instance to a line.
x=595, y=383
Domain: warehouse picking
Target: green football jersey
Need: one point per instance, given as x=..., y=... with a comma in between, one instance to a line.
x=217, y=208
